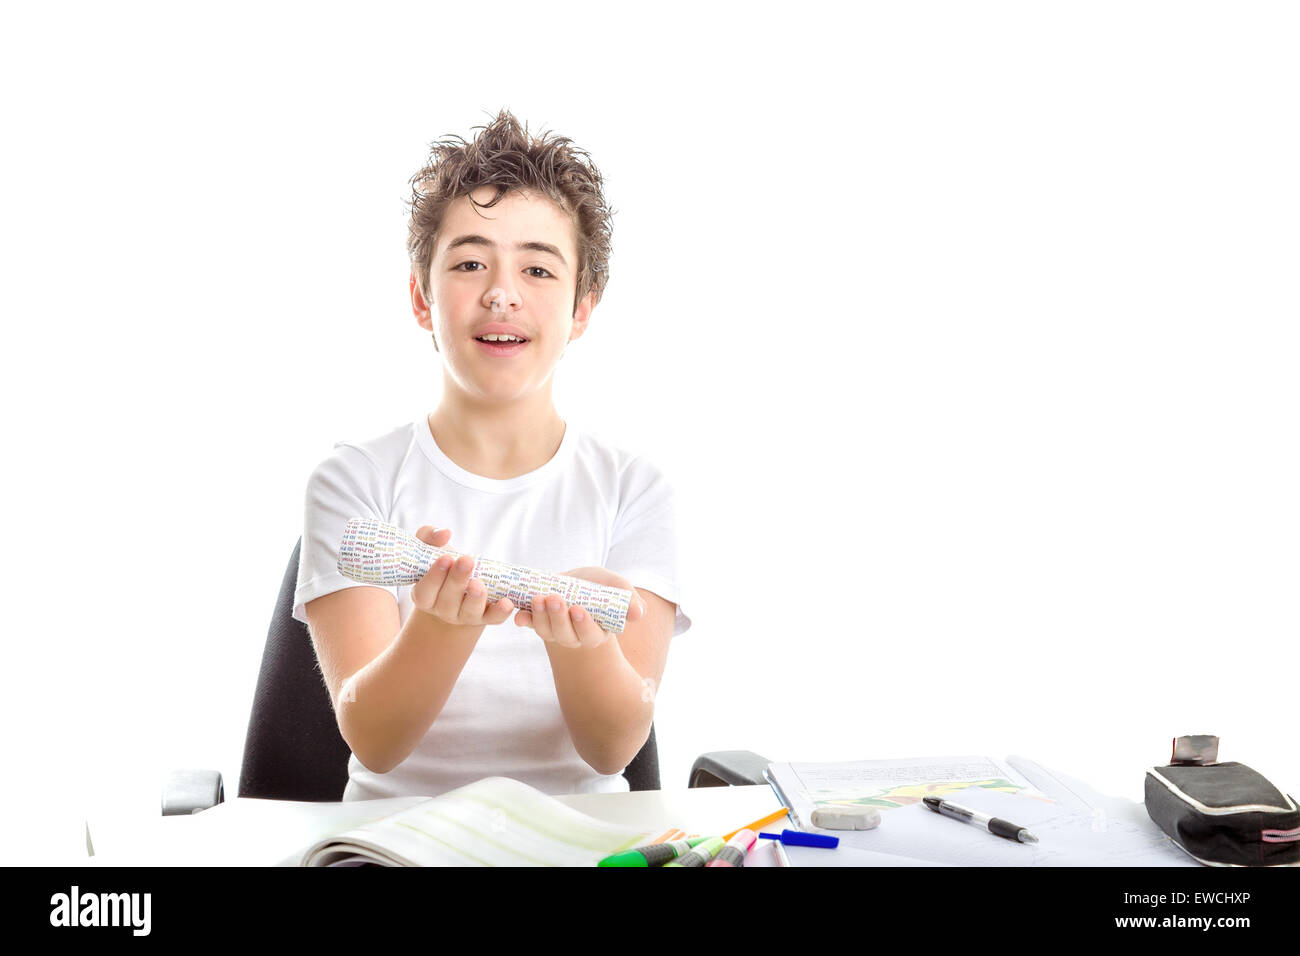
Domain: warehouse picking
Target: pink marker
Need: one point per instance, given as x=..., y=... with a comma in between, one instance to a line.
x=733, y=854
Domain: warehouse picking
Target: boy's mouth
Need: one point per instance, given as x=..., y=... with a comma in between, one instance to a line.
x=501, y=344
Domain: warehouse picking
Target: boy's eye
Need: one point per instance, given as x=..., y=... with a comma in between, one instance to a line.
x=473, y=265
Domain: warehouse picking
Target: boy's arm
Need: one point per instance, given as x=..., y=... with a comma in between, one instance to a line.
x=607, y=692
x=388, y=685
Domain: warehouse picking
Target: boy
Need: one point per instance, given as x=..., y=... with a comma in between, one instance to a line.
x=434, y=687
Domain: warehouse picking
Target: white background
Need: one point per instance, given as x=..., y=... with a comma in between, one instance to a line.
x=967, y=333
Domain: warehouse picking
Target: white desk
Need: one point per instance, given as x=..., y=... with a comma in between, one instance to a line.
x=244, y=832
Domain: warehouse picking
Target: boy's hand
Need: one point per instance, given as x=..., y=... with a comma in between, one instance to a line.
x=449, y=593
x=572, y=626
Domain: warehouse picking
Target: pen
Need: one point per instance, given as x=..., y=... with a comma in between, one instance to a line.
x=994, y=825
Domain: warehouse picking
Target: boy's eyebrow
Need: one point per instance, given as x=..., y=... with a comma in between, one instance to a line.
x=477, y=240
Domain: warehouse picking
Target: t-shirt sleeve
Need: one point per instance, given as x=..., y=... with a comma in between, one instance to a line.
x=643, y=547
x=345, y=485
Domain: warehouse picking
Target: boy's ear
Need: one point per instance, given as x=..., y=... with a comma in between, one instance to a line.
x=420, y=307
x=423, y=314
x=582, y=315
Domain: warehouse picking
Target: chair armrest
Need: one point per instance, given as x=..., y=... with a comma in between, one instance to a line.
x=189, y=791
x=728, y=768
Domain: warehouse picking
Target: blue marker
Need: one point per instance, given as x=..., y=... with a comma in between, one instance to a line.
x=799, y=838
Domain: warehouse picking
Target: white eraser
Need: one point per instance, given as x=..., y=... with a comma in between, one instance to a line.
x=846, y=818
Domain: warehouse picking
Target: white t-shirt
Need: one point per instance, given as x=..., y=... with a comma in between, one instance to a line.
x=590, y=505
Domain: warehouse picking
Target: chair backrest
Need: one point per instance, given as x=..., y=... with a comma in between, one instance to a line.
x=293, y=749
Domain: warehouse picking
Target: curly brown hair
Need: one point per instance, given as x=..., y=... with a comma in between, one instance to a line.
x=504, y=155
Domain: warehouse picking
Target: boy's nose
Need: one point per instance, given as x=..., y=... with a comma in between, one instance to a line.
x=501, y=299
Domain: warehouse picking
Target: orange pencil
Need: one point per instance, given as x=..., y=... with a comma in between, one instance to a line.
x=758, y=824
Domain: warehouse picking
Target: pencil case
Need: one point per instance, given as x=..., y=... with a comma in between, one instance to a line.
x=1224, y=814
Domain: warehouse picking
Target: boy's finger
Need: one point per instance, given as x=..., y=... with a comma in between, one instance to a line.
x=541, y=620
x=561, y=627
x=589, y=633
x=425, y=592
x=475, y=602
x=438, y=537
x=498, y=611
x=452, y=593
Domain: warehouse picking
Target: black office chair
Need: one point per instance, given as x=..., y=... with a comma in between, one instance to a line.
x=293, y=749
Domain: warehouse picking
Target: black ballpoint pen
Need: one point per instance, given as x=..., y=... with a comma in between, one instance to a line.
x=994, y=825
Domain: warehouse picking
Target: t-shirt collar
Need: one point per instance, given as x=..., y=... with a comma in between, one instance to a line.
x=424, y=437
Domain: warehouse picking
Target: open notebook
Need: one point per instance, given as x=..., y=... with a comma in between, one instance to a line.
x=492, y=822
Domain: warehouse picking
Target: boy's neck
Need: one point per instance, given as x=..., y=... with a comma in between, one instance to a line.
x=495, y=441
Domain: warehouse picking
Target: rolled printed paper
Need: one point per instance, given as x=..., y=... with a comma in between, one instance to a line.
x=374, y=552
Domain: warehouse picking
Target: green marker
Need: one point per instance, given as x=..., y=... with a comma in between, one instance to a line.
x=651, y=855
x=701, y=854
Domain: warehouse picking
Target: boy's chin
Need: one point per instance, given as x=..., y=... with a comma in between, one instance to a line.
x=501, y=393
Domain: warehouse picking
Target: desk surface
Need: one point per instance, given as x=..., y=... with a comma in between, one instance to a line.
x=247, y=832
x=244, y=832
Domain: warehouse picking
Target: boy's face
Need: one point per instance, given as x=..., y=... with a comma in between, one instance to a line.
x=507, y=270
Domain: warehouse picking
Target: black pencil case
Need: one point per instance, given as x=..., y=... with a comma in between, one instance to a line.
x=1224, y=814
